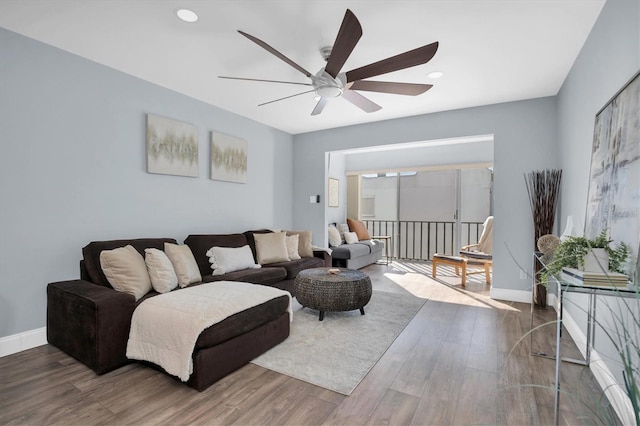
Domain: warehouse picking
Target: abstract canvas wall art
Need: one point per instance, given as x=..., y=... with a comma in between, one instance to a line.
x=228, y=158
x=172, y=147
x=613, y=201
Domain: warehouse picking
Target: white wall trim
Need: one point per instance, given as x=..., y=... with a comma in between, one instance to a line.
x=614, y=391
x=509, y=295
x=23, y=341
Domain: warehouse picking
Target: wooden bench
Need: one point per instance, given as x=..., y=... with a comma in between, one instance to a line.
x=459, y=262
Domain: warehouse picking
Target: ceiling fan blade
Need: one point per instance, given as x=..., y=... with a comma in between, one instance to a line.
x=287, y=97
x=409, y=59
x=410, y=89
x=360, y=101
x=347, y=38
x=267, y=81
x=319, y=106
x=275, y=52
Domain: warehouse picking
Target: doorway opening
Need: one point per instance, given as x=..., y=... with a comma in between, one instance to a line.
x=427, y=211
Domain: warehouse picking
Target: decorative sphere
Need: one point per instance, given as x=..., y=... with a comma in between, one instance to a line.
x=547, y=244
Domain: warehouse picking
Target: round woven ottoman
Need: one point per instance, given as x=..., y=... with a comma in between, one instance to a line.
x=318, y=289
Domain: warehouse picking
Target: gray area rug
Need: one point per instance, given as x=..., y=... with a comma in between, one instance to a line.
x=337, y=353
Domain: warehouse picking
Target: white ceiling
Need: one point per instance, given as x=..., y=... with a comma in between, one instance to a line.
x=490, y=51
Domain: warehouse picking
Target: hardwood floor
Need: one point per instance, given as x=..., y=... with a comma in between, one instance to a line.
x=460, y=361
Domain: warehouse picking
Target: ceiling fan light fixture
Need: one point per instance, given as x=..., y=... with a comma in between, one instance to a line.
x=329, y=91
x=327, y=86
x=187, y=15
x=435, y=74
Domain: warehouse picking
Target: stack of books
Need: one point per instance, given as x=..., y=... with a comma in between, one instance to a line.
x=598, y=278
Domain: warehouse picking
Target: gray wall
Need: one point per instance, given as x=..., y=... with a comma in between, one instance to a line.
x=609, y=58
x=524, y=140
x=73, y=163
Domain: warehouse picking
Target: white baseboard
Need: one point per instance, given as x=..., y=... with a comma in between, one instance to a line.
x=614, y=391
x=23, y=341
x=523, y=296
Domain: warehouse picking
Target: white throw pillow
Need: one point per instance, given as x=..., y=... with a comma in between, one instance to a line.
x=163, y=276
x=228, y=259
x=343, y=228
x=271, y=247
x=126, y=271
x=292, y=247
x=183, y=263
x=350, y=237
x=334, y=236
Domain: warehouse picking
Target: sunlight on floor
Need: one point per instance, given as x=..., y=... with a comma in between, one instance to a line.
x=415, y=277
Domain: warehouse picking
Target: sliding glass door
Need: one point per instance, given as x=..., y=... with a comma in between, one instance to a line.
x=476, y=202
x=426, y=212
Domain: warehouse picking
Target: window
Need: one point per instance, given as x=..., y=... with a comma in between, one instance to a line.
x=368, y=206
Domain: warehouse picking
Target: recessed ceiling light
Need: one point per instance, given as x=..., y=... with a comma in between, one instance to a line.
x=435, y=74
x=187, y=15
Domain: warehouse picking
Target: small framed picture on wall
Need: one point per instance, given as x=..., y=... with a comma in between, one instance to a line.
x=334, y=192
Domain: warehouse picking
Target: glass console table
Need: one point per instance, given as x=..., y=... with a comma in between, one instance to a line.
x=571, y=284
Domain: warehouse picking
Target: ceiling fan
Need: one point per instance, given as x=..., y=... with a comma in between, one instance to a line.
x=329, y=82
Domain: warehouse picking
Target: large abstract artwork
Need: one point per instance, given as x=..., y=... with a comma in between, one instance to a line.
x=613, y=202
x=172, y=146
x=228, y=158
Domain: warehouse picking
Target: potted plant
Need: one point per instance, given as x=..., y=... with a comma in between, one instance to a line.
x=571, y=253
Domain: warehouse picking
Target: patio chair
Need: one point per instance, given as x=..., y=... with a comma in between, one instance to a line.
x=471, y=257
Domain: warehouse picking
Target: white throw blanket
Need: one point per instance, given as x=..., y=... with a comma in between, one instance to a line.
x=164, y=328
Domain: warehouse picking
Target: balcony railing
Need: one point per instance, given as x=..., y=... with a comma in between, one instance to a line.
x=420, y=240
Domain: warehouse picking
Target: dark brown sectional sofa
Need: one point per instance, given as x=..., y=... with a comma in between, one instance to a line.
x=90, y=321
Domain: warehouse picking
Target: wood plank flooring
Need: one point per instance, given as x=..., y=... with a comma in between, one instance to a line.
x=460, y=361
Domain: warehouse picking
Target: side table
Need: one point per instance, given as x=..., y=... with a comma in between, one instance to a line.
x=387, y=246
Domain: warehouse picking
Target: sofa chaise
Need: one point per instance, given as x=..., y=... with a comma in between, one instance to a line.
x=89, y=320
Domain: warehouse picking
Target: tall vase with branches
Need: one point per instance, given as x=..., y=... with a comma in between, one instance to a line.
x=543, y=187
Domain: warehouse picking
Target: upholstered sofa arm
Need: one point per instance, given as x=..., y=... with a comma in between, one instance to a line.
x=89, y=322
x=321, y=254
